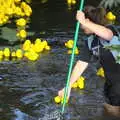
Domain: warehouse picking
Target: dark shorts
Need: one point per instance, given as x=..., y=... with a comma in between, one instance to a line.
x=112, y=75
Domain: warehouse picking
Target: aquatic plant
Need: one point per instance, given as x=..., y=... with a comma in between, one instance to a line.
x=109, y=3
x=115, y=48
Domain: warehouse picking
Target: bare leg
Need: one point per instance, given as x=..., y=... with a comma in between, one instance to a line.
x=112, y=110
x=78, y=70
x=76, y=73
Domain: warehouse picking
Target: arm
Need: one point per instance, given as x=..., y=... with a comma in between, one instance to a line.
x=76, y=73
x=99, y=30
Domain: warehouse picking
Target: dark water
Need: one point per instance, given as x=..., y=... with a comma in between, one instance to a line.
x=27, y=88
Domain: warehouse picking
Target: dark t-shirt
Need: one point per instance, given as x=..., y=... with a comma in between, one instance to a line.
x=111, y=70
x=112, y=75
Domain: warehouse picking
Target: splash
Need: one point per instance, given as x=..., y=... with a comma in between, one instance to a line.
x=55, y=115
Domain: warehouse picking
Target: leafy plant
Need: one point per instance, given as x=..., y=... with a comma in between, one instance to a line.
x=109, y=3
x=115, y=48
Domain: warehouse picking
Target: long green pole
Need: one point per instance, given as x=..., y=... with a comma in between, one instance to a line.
x=72, y=59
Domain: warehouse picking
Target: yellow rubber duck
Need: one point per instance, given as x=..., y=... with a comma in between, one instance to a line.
x=18, y=11
x=69, y=1
x=81, y=82
x=80, y=78
x=76, y=51
x=39, y=47
x=26, y=8
x=110, y=16
x=100, y=72
x=26, y=45
x=22, y=34
x=69, y=44
x=13, y=54
x=21, y=22
x=37, y=41
x=32, y=46
x=19, y=53
x=1, y=22
x=44, y=43
x=1, y=52
x=26, y=54
x=5, y=19
x=6, y=52
x=74, y=85
x=47, y=47
x=2, y=16
x=62, y=100
x=33, y=56
x=73, y=1
x=9, y=11
x=17, y=1
x=57, y=99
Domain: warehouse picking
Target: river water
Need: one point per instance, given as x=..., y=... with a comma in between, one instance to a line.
x=27, y=89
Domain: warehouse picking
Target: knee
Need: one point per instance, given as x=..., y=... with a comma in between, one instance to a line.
x=81, y=63
x=112, y=110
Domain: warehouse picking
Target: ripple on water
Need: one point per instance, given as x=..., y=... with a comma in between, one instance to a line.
x=36, y=84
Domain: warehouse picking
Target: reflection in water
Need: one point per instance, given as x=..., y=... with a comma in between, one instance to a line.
x=29, y=88
x=20, y=115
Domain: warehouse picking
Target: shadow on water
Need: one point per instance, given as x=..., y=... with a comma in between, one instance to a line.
x=27, y=88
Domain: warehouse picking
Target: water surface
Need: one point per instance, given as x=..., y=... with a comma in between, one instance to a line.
x=27, y=88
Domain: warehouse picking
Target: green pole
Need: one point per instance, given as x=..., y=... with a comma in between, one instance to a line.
x=71, y=60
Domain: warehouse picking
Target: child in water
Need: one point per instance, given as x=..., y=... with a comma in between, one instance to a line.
x=94, y=24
